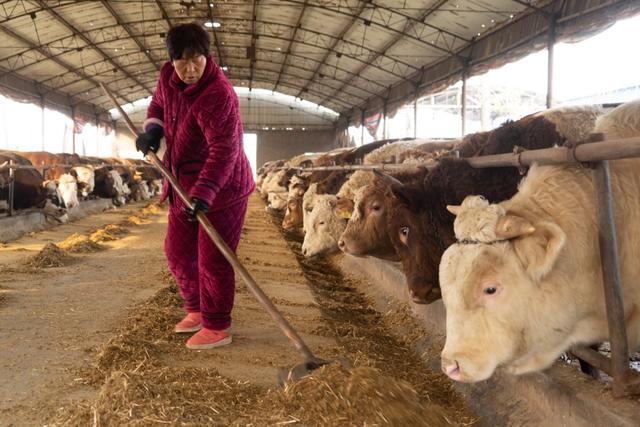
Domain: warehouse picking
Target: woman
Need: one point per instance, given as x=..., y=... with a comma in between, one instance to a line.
x=196, y=109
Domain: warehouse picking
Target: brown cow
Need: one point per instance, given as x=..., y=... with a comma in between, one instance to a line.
x=418, y=223
x=65, y=179
x=29, y=187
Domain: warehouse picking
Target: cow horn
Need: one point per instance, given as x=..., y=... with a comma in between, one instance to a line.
x=510, y=226
x=387, y=178
x=454, y=209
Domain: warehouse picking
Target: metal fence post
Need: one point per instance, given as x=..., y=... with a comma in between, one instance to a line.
x=11, y=186
x=611, y=277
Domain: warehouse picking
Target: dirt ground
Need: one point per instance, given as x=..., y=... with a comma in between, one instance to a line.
x=91, y=343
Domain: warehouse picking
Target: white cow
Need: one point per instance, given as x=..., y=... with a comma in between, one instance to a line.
x=86, y=180
x=524, y=283
x=67, y=189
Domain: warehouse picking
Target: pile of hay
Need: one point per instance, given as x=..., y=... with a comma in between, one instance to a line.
x=152, y=209
x=79, y=243
x=333, y=395
x=172, y=396
x=108, y=233
x=134, y=220
x=50, y=256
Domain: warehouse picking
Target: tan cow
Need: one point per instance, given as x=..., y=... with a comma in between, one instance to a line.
x=524, y=282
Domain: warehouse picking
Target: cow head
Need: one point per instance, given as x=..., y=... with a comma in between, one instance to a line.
x=323, y=227
x=416, y=238
x=68, y=190
x=86, y=180
x=366, y=231
x=293, y=215
x=121, y=190
x=277, y=201
x=500, y=309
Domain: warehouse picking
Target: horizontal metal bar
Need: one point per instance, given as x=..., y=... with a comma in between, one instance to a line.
x=593, y=358
x=587, y=152
x=4, y=167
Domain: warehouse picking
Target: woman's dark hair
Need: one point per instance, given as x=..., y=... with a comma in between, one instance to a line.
x=187, y=37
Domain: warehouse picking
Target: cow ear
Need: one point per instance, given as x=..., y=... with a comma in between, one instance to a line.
x=454, y=209
x=407, y=195
x=510, y=226
x=344, y=208
x=539, y=250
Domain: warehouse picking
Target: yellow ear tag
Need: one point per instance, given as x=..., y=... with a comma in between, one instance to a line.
x=345, y=214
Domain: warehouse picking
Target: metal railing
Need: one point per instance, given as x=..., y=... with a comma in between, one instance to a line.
x=596, y=154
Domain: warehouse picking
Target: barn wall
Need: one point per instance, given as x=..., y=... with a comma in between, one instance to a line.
x=274, y=145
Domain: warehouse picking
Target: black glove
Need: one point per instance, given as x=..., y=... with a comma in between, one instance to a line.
x=198, y=206
x=149, y=140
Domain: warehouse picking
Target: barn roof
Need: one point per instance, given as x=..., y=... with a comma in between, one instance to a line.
x=347, y=55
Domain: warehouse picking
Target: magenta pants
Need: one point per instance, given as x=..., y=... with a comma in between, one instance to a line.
x=205, y=278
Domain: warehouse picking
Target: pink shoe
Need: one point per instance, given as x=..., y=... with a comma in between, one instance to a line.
x=191, y=323
x=208, y=338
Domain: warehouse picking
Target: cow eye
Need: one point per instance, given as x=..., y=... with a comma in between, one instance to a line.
x=321, y=223
x=490, y=290
x=375, y=207
x=404, y=234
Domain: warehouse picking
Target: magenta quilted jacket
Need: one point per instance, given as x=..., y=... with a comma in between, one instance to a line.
x=203, y=132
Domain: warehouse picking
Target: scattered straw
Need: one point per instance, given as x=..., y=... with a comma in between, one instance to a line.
x=78, y=243
x=333, y=395
x=50, y=256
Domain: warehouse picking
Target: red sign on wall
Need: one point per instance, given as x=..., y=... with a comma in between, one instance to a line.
x=372, y=123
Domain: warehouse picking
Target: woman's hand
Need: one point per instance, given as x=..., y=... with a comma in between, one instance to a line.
x=198, y=206
x=149, y=140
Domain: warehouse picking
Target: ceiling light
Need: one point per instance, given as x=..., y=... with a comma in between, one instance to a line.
x=214, y=24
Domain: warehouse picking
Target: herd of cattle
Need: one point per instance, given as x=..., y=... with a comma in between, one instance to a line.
x=57, y=182
x=515, y=259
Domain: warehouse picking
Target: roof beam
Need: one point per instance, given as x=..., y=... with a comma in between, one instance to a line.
x=331, y=50
x=142, y=48
x=383, y=26
x=84, y=38
x=164, y=13
x=293, y=37
x=530, y=6
x=44, y=53
x=319, y=95
x=390, y=44
x=297, y=67
x=265, y=23
x=216, y=40
x=252, y=53
x=267, y=70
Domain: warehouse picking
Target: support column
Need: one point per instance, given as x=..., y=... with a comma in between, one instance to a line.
x=73, y=134
x=463, y=109
x=551, y=41
x=415, y=116
x=362, y=129
x=384, y=116
x=42, y=122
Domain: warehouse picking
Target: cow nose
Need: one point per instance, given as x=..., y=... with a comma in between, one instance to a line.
x=304, y=252
x=416, y=298
x=341, y=244
x=451, y=368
